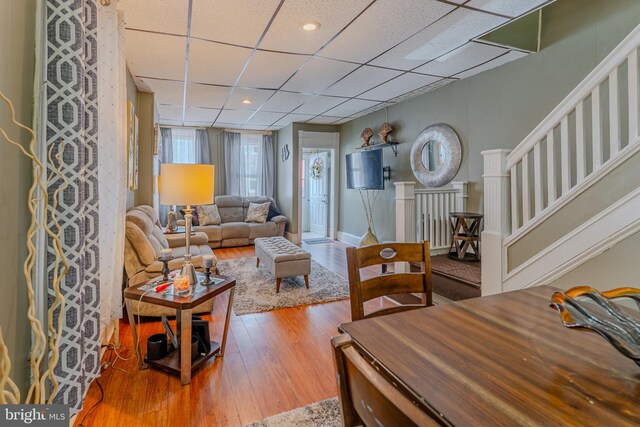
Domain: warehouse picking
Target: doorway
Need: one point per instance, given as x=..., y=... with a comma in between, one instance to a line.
x=316, y=193
x=318, y=186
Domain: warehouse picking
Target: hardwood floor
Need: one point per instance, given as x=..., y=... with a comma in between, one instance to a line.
x=274, y=362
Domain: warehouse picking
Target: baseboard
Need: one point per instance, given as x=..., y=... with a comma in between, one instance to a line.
x=349, y=239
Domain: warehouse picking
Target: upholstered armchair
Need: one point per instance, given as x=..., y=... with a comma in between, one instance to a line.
x=144, y=241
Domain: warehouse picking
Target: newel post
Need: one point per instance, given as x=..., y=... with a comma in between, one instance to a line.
x=497, y=206
x=405, y=217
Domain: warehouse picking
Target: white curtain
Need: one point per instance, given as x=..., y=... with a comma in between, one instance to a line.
x=112, y=160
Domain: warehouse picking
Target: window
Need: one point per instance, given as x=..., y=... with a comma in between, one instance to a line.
x=251, y=152
x=184, y=145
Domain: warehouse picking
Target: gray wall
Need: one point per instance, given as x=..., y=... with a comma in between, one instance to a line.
x=495, y=109
x=17, y=48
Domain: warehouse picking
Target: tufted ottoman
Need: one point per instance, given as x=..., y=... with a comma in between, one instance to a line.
x=283, y=259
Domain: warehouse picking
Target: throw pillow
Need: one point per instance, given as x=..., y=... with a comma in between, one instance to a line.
x=258, y=212
x=194, y=215
x=209, y=215
x=273, y=211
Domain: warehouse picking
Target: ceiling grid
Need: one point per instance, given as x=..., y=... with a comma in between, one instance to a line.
x=248, y=63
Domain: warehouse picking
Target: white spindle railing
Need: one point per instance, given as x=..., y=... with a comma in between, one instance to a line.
x=574, y=134
x=432, y=213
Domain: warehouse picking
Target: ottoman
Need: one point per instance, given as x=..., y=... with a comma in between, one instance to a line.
x=283, y=259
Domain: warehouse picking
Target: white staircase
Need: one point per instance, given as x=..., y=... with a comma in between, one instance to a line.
x=590, y=134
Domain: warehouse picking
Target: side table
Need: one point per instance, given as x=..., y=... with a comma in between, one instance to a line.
x=178, y=362
x=465, y=234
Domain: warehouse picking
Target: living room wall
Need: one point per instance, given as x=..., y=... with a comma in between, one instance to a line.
x=17, y=45
x=494, y=109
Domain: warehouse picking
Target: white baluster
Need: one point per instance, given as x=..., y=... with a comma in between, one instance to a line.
x=526, y=208
x=565, y=161
x=632, y=72
x=581, y=159
x=515, y=207
x=537, y=179
x=551, y=169
x=615, y=139
x=596, y=127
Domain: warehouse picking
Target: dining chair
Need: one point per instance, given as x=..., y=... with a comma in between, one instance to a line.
x=386, y=284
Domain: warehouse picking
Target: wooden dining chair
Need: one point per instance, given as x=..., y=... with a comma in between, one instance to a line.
x=386, y=284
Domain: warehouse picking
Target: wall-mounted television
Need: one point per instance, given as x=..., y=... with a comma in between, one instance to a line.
x=364, y=170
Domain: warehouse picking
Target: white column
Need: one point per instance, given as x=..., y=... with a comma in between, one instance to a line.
x=497, y=206
x=405, y=217
x=460, y=188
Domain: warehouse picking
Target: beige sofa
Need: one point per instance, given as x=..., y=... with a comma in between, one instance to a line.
x=233, y=231
x=144, y=240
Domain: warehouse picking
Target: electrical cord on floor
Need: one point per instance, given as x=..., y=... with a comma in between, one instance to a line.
x=81, y=424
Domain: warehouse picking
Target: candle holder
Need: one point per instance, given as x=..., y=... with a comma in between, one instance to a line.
x=165, y=269
x=207, y=277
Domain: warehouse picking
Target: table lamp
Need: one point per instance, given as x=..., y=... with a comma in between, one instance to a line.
x=187, y=184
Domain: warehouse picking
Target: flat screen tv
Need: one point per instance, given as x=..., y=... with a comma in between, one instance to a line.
x=364, y=170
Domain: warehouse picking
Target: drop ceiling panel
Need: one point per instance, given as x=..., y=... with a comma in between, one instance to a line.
x=166, y=91
x=350, y=107
x=201, y=114
x=504, y=59
x=318, y=74
x=361, y=80
x=264, y=118
x=291, y=118
x=170, y=112
x=507, y=7
x=165, y=16
x=320, y=104
x=215, y=63
x=468, y=56
x=421, y=90
x=258, y=97
x=168, y=122
x=270, y=69
x=286, y=32
x=285, y=102
x=449, y=33
x=382, y=26
x=399, y=86
x=324, y=120
x=238, y=22
x=199, y=95
x=155, y=55
x=234, y=116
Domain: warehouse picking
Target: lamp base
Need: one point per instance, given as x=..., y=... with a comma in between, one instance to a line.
x=189, y=270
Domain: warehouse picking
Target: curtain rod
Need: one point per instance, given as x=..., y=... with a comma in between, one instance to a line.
x=261, y=132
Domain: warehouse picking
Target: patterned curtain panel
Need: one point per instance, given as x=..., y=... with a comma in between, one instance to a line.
x=71, y=99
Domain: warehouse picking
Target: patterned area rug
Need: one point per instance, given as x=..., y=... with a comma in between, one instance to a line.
x=256, y=287
x=325, y=413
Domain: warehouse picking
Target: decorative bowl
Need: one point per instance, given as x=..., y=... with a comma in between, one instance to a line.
x=586, y=308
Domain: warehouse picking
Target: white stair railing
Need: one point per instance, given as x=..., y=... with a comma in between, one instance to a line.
x=592, y=131
x=568, y=149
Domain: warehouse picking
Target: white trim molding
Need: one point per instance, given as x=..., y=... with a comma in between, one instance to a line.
x=348, y=238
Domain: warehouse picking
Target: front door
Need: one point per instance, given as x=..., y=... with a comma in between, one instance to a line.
x=318, y=193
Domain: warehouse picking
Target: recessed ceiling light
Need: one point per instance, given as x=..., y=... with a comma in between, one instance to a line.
x=247, y=101
x=310, y=26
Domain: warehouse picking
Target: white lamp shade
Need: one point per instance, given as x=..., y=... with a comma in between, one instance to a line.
x=186, y=184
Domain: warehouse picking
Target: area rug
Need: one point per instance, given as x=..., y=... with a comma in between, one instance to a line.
x=256, y=287
x=325, y=413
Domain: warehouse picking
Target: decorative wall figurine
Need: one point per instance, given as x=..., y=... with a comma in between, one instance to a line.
x=284, y=153
x=366, y=135
x=384, y=132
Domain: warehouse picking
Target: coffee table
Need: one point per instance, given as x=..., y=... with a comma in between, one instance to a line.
x=178, y=362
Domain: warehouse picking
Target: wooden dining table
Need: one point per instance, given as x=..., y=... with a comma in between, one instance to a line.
x=502, y=360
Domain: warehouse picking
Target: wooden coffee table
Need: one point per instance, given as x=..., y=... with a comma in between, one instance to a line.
x=178, y=362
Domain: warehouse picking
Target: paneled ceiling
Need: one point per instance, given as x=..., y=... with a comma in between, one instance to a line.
x=203, y=58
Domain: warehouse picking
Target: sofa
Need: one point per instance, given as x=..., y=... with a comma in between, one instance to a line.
x=144, y=240
x=234, y=231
